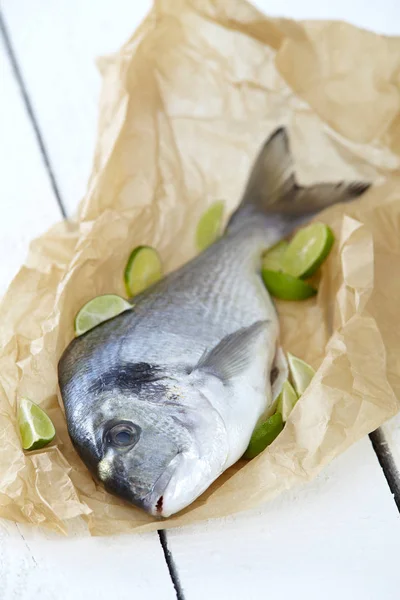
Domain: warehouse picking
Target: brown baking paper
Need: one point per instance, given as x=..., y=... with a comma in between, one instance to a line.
x=185, y=106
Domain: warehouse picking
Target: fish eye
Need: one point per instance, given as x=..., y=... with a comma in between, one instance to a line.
x=123, y=435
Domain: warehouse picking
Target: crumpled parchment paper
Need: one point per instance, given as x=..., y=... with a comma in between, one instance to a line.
x=185, y=106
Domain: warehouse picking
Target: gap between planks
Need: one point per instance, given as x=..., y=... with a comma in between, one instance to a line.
x=31, y=114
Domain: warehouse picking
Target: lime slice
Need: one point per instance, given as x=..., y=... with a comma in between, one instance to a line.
x=142, y=270
x=264, y=435
x=286, y=401
x=209, y=227
x=301, y=373
x=286, y=287
x=98, y=310
x=35, y=427
x=273, y=258
x=307, y=250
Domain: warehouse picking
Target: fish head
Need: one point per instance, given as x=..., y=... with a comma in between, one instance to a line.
x=158, y=444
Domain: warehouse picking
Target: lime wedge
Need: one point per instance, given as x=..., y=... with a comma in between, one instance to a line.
x=286, y=287
x=307, y=250
x=301, y=373
x=209, y=227
x=286, y=401
x=35, y=427
x=142, y=270
x=264, y=435
x=272, y=260
x=99, y=309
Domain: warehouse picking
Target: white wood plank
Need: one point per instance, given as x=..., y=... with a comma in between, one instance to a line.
x=382, y=17
x=27, y=205
x=35, y=564
x=57, y=44
x=339, y=529
x=337, y=537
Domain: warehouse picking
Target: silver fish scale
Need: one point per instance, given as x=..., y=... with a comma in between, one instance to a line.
x=188, y=312
x=194, y=308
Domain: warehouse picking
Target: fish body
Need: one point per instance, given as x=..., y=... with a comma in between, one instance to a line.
x=163, y=398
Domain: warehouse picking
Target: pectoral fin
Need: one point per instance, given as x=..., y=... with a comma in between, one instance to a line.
x=233, y=354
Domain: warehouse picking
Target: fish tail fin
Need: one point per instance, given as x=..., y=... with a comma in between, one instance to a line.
x=272, y=188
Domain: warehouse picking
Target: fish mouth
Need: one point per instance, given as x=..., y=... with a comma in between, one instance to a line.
x=153, y=503
x=159, y=505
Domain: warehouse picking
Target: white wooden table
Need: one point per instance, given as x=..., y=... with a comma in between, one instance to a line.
x=339, y=537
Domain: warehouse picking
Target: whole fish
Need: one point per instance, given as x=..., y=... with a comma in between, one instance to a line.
x=163, y=398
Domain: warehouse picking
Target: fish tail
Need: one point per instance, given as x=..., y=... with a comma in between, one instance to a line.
x=272, y=188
